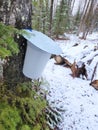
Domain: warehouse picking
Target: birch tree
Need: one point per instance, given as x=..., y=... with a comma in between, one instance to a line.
x=18, y=14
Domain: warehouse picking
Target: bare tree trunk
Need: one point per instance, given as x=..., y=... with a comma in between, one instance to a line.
x=87, y=17
x=80, y=27
x=17, y=13
x=72, y=5
x=82, y=23
x=51, y=15
x=95, y=15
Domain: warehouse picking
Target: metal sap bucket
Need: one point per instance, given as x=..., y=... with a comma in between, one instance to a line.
x=39, y=49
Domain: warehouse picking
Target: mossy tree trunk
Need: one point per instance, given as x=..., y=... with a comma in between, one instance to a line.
x=19, y=14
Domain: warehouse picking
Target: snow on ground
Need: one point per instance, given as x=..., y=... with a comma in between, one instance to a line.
x=75, y=96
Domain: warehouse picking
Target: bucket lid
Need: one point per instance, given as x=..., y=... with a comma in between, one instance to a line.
x=41, y=41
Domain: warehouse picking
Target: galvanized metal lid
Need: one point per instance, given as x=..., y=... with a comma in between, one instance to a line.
x=42, y=41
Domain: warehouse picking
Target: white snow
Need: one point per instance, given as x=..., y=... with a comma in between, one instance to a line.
x=73, y=95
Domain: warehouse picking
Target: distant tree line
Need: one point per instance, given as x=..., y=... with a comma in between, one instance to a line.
x=57, y=21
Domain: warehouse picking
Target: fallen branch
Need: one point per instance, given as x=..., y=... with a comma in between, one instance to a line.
x=73, y=69
x=76, y=71
x=62, y=61
x=94, y=84
x=59, y=60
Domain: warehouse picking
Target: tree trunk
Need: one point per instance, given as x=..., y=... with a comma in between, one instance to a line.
x=51, y=16
x=88, y=17
x=17, y=13
x=72, y=5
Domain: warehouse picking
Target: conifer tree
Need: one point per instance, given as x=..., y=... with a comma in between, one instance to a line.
x=61, y=21
x=41, y=15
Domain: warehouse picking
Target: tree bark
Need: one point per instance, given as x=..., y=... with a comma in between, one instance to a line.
x=51, y=16
x=87, y=18
x=19, y=14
